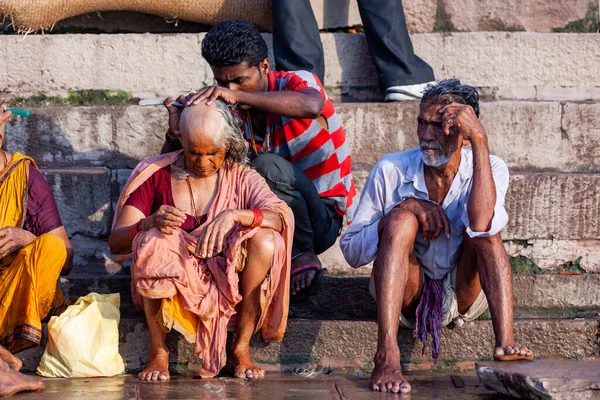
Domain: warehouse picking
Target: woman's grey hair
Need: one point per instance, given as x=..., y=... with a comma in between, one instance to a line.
x=231, y=134
x=451, y=91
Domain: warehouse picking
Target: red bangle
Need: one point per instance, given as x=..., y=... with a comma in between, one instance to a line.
x=135, y=229
x=258, y=218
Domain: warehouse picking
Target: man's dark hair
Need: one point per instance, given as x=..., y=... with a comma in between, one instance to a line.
x=451, y=91
x=232, y=42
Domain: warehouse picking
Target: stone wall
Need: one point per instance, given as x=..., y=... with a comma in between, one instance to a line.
x=540, y=110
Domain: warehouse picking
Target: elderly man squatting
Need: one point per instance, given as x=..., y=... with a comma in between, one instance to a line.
x=430, y=219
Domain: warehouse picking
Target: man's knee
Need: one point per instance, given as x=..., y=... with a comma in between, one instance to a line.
x=262, y=243
x=399, y=225
x=273, y=167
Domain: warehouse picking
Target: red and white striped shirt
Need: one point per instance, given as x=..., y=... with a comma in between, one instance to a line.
x=322, y=154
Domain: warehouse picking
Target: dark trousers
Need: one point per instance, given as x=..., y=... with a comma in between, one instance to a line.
x=297, y=45
x=317, y=224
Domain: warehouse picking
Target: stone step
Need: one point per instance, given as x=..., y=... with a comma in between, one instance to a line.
x=120, y=136
x=512, y=63
x=352, y=344
x=546, y=296
x=421, y=16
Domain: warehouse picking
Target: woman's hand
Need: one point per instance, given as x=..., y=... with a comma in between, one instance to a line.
x=166, y=219
x=13, y=239
x=212, y=238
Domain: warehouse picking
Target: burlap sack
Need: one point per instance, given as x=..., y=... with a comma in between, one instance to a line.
x=41, y=15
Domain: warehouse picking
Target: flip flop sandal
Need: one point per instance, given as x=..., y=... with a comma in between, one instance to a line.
x=310, y=290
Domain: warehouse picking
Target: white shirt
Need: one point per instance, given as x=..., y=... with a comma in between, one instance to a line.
x=400, y=176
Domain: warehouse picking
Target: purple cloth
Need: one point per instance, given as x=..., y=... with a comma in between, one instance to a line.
x=429, y=316
x=42, y=214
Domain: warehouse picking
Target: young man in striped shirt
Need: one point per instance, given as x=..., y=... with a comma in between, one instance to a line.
x=296, y=140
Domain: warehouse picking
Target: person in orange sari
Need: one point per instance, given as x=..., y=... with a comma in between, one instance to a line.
x=211, y=246
x=34, y=251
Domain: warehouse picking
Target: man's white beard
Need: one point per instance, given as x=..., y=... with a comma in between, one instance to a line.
x=434, y=160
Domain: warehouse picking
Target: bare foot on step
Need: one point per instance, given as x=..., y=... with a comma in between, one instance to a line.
x=13, y=362
x=12, y=382
x=387, y=376
x=512, y=353
x=157, y=369
x=241, y=365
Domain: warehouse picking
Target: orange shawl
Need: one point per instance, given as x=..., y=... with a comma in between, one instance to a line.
x=164, y=267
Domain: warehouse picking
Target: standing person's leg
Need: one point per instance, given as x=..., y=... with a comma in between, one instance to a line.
x=317, y=225
x=296, y=41
x=401, y=72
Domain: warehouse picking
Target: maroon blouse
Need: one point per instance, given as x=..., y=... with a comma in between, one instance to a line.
x=156, y=192
x=42, y=214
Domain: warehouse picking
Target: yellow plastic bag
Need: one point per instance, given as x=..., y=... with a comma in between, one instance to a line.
x=84, y=340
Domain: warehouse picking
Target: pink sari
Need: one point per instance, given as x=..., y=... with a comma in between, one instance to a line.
x=205, y=292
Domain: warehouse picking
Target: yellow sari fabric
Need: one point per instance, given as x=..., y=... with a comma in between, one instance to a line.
x=28, y=289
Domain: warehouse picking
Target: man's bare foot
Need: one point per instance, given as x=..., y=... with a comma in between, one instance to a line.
x=387, y=376
x=157, y=368
x=13, y=362
x=241, y=365
x=303, y=279
x=12, y=382
x=512, y=353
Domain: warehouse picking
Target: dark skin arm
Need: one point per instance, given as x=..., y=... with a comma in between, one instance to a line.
x=304, y=104
x=461, y=118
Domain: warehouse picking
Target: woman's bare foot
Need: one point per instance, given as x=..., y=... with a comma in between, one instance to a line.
x=387, y=376
x=12, y=382
x=303, y=279
x=13, y=362
x=241, y=365
x=157, y=368
x=512, y=353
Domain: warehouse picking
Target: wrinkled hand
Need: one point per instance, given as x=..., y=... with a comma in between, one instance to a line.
x=212, y=238
x=431, y=217
x=166, y=219
x=461, y=118
x=174, y=112
x=212, y=93
x=13, y=239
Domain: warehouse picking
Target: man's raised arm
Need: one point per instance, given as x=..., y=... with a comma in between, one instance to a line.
x=482, y=201
x=307, y=103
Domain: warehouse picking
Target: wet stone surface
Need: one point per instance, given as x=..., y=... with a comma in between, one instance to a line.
x=542, y=379
x=338, y=385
